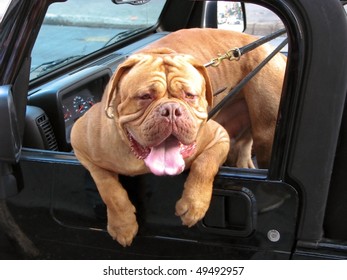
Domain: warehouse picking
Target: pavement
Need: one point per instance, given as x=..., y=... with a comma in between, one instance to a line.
x=71, y=22
x=105, y=14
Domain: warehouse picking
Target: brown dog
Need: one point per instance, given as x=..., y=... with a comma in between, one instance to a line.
x=152, y=118
x=250, y=118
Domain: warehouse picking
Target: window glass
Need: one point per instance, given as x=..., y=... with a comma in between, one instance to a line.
x=77, y=28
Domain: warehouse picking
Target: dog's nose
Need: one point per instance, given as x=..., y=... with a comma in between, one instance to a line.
x=171, y=111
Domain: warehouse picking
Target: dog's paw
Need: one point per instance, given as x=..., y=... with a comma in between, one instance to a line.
x=191, y=211
x=122, y=226
x=124, y=234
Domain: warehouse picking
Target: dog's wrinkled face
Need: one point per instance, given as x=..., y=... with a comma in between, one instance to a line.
x=160, y=103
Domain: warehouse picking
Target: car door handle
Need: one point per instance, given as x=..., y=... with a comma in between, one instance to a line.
x=232, y=212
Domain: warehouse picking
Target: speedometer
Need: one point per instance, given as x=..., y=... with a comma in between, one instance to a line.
x=79, y=104
x=82, y=104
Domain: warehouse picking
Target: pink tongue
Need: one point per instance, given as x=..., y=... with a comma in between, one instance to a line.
x=166, y=158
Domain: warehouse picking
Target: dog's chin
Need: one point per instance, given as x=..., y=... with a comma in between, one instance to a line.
x=166, y=158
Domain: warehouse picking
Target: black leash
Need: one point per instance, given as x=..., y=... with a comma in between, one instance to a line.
x=249, y=76
x=236, y=53
x=261, y=41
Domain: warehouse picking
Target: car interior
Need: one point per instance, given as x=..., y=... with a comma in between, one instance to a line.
x=55, y=105
x=245, y=202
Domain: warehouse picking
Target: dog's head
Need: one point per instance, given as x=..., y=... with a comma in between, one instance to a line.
x=159, y=101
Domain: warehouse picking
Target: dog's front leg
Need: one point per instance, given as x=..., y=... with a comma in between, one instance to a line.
x=121, y=219
x=197, y=191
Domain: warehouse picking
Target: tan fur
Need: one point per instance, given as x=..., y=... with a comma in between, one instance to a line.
x=161, y=79
x=250, y=118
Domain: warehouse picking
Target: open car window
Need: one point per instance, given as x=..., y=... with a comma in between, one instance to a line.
x=75, y=29
x=78, y=28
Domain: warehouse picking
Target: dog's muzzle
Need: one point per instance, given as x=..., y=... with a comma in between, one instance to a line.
x=168, y=137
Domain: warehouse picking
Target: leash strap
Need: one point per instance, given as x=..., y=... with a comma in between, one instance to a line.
x=261, y=41
x=249, y=76
x=236, y=53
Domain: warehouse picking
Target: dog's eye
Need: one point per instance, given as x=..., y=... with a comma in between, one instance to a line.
x=145, y=96
x=189, y=95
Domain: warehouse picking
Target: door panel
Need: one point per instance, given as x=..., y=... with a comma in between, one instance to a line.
x=248, y=217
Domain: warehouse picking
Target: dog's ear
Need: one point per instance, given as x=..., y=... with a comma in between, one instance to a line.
x=111, y=89
x=203, y=71
x=209, y=93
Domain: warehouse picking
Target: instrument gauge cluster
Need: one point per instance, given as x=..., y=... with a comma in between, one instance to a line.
x=78, y=97
x=75, y=106
x=75, y=103
x=82, y=104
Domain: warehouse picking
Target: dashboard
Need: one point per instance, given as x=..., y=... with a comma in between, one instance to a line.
x=66, y=100
x=74, y=103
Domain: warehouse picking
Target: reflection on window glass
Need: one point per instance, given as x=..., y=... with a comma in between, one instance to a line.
x=76, y=28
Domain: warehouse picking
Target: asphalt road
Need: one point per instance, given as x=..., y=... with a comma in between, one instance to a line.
x=56, y=41
x=79, y=27
x=104, y=13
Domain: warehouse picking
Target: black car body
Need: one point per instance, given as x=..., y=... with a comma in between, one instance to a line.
x=296, y=209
